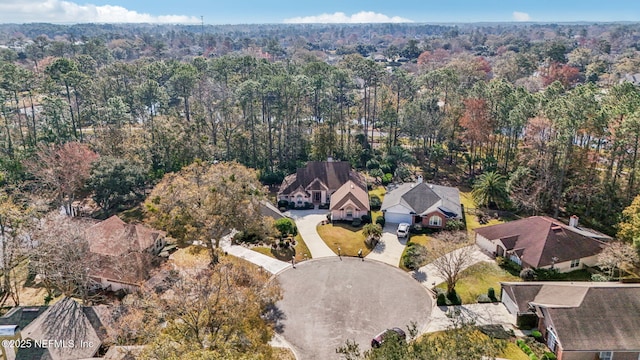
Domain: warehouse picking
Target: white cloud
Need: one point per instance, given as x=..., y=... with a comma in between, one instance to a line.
x=60, y=11
x=521, y=16
x=342, y=18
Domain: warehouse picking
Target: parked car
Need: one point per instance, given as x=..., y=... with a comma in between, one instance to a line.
x=403, y=230
x=379, y=339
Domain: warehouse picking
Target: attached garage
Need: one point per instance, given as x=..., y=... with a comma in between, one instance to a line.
x=397, y=218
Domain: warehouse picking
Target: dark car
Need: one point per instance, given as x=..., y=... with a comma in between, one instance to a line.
x=379, y=339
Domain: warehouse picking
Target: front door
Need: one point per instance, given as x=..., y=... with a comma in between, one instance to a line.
x=316, y=196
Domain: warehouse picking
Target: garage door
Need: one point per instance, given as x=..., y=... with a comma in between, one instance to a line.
x=397, y=218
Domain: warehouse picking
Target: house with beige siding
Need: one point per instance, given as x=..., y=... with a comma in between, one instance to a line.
x=543, y=242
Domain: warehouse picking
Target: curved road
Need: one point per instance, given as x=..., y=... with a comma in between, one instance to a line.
x=327, y=301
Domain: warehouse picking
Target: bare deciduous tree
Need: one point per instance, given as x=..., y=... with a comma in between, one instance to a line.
x=64, y=170
x=617, y=255
x=450, y=263
x=62, y=257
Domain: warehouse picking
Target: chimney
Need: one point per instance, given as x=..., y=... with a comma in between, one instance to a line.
x=419, y=181
x=573, y=221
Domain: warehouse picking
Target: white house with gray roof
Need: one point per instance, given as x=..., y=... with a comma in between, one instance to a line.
x=421, y=203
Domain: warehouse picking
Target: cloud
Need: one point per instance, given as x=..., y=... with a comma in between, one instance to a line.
x=342, y=18
x=521, y=16
x=60, y=11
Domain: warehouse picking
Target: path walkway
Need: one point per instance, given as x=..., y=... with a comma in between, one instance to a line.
x=270, y=264
x=389, y=250
x=428, y=275
x=307, y=221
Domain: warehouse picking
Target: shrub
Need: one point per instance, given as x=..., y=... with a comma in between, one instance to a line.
x=285, y=227
x=549, y=356
x=374, y=202
x=526, y=349
x=520, y=342
x=387, y=178
x=482, y=298
x=441, y=300
x=536, y=334
x=356, y=223
x=454, y=225
x=533, y=356
x=491, y=294
x=324, y=206
x=366, y=219
x=599, y=278
x=283, y=203
x=381, y=221
x=453, y=298
x=528, y=274
x=415, y=256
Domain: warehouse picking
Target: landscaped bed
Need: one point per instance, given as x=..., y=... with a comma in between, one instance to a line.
x=300, y=250
x=346, y=237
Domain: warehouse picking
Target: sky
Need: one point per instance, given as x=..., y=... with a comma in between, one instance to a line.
x=315, y=11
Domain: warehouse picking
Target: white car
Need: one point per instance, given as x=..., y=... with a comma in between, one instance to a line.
x=403, y=230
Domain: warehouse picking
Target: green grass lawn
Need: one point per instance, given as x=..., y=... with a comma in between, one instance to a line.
x=472, y=221
x=346, y=237
x=513, y=352
x=478, y=278
x=301, y=251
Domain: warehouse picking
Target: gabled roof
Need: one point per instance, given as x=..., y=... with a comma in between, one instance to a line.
x=329, y=174
x=268, y=209
x=66, y=320
x=540, y=239
x=350, y=192
x=588, y=316
x=423, y=199
x=115, y=237
x=132, y=268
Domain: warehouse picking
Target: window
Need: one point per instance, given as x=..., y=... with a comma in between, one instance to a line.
x=435, y=221
x=299, y=199
x=349, y=212
x=606, y=355
x=575, y=263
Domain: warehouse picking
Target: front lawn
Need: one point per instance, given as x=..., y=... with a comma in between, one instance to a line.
x=348, y=238
x=301, y=251
x=478, y=278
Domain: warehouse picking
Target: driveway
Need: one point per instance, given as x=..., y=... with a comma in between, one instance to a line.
x=328, y=301
x=481, y=314
x=389, y=249
x=307, y=221
x=428, y=275
x=270, y=264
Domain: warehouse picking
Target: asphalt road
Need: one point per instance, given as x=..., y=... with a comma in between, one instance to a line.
x=327, y=301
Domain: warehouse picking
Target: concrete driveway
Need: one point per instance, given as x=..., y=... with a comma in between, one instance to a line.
x=307, y=221
x=328, y=301
x=389, y=249
x=481, y=314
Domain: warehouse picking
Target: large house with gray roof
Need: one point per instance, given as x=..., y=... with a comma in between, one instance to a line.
x=421, y=203
x=581, y=320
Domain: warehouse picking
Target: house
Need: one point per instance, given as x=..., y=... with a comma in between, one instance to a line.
x=124, y=253
x=421, y=203
x=581, y=320
x=543, y=242
x=67, y=330
x=315, y=182
x=114, y=237
x=349, y=202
